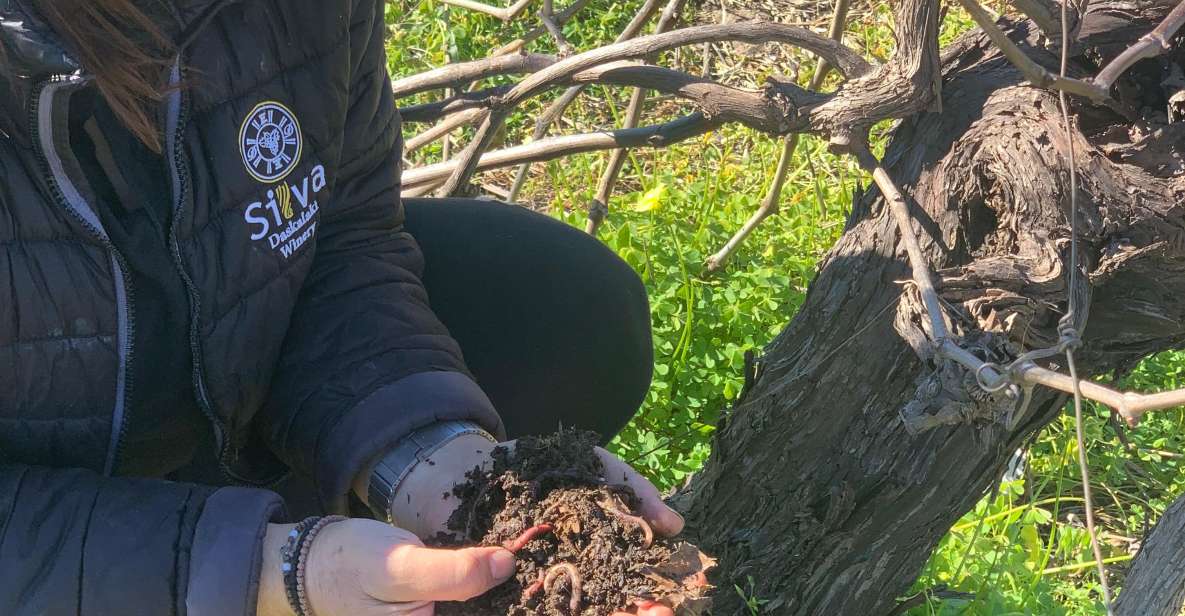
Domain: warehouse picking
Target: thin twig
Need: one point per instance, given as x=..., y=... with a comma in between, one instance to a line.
x=599, y=208
x=456, y=75
x=773, y=196
x=918, y=262
x=410, y=192
x=659, y=135
x=1150, y=45
x=1131, y=406
x=465, y=101
x=769, y=207
x=547, y=16
x=542, y=125
x=556, y=109
x=504, y=13
x=447, y=126
x=560, y=19
x=1036, y=74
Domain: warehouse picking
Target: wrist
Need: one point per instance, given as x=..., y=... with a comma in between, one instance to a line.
x=413, y=456
x=423, y=501
x=272, y=599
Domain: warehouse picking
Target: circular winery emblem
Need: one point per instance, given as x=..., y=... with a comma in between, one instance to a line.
x=270, y=142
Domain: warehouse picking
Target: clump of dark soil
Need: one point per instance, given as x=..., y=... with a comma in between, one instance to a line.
x=581, y=550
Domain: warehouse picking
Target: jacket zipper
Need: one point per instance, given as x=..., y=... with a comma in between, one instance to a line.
x=56, y=178
x=176, y=118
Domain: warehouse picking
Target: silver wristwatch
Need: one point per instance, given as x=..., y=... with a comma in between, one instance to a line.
x=413, y=449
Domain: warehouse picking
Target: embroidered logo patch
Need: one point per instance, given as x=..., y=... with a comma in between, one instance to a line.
x=270, y=142
x=285, y=217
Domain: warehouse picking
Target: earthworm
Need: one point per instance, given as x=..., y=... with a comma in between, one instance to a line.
x=573, y=574
x=613, y=505
x=528, y=536
x=532, y=590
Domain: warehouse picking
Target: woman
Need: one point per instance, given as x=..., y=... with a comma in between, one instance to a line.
x=207, y=284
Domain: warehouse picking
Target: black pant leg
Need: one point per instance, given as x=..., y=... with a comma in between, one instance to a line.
x=554, y=326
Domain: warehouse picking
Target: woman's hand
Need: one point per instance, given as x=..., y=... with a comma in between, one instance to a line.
x=424, y=500
x=368, y=568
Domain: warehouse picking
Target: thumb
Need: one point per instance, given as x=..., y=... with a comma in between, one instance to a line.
x=424, y=574
x=649, y=608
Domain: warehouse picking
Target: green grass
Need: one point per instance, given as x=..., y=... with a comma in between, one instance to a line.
x=1022, y=552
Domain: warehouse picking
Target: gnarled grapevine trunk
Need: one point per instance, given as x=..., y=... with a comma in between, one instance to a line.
x=1155, y=586
x=853, y=451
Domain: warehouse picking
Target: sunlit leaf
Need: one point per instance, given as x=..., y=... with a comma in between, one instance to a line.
x=651, y=199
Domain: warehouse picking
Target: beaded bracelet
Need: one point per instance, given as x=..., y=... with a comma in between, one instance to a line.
x=302, y=596
x=293, y=556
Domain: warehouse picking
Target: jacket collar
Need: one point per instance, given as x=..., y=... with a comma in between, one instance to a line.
x=30, y=46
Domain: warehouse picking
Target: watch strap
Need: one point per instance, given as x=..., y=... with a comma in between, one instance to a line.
x=394, y=467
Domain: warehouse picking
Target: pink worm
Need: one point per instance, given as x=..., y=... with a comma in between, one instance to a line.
x=573, y=574
x=532, y=590
x=614, y=506
x=528, y=536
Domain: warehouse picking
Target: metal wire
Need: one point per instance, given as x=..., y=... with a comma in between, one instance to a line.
x=1068, y=336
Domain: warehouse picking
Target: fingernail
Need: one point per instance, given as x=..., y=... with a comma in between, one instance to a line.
x=502, y=564
x=682, y=522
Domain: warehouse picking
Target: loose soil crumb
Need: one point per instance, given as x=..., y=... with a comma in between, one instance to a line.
x=583, y=551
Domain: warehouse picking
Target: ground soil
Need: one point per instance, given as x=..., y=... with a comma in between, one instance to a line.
x=558, y=481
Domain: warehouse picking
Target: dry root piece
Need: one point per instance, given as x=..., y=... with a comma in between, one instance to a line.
x=613, y=505
x=682, y=582
x=574, y=579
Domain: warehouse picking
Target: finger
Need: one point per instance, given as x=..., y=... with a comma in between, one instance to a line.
x=424, y=574
x=649, y=608
x=664, y=519
x=417, y=609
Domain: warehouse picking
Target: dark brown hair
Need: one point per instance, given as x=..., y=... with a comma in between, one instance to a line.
x=125, y=51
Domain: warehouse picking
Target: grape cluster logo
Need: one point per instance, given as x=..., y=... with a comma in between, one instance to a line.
x=270, y=142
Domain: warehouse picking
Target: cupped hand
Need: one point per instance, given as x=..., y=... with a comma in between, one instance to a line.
x=367, y=568
x=424, y=502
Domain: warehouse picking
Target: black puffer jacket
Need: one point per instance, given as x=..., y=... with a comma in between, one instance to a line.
x=313, y=344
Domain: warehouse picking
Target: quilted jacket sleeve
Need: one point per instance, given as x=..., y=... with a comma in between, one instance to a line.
x=365, y=361
x=75, y=542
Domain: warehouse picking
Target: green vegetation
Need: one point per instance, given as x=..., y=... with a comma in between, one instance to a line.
x=1023, y=551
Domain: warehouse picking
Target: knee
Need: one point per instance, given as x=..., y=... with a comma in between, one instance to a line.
x=620, y=318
